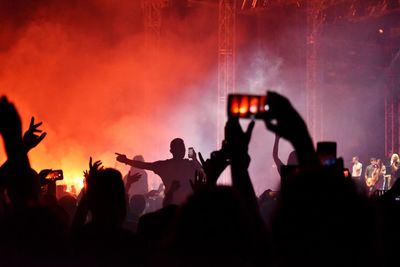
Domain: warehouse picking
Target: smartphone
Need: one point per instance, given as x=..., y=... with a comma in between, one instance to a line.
x=55, y=175
x=326, y=152
x=247, y=106
x=190, y=152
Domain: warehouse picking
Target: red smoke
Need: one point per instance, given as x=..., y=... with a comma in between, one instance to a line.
x=82, y=68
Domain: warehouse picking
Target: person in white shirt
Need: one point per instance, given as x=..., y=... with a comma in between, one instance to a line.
x=357, y=169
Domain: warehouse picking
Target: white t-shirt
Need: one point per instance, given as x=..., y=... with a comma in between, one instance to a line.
x=357, y=169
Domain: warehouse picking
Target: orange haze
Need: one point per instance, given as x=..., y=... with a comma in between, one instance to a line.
x=83, y=70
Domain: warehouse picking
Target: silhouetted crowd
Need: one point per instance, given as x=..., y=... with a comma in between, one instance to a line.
x=319, y=217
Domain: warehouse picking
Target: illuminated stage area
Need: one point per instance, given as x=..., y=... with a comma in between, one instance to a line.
x=127, y=81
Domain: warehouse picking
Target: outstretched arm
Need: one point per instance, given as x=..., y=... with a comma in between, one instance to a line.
x=135, y=163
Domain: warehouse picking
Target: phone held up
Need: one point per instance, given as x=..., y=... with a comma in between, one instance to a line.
x=247, y=106
x=55, y=175
x=190, y=152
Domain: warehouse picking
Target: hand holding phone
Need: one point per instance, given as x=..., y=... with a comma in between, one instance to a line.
x=247, y=106
x=191, y=153
x=55, y=175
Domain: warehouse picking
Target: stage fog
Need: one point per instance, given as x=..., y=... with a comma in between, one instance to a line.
x=87, y=71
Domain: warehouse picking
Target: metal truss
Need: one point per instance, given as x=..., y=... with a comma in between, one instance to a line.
x=152, y=13
x=226, y=60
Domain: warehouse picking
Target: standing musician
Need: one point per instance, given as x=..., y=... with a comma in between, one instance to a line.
x=371, y=174
x=394, y=168
x=379, y=176
x=356, y=169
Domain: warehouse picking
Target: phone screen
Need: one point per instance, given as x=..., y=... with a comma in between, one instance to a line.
x=247, y=106
x=55, y=175
x=190, y=152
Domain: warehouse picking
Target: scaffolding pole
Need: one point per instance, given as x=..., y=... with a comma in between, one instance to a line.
x=226, y=60
x=313, y=107
x=226, y=65
x=152, y=14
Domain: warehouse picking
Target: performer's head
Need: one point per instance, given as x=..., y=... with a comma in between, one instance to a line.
x=177, y=148
x=372, y=160
x=394, y=158
x=355, y=159
x=138, y=158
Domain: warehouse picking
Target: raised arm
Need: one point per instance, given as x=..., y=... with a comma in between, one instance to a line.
x=135, y=163
x=195, y=161
x=237, y=144
x=22, y=185
x=285, y=121
x=275, y=153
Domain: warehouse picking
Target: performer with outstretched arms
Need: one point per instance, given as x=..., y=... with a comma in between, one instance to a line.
x=175, y=169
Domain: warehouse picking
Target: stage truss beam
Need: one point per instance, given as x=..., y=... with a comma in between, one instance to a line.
x=226, y=60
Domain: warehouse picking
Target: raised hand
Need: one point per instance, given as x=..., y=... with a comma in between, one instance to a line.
x=237, y=141
x=10, y=122
x=214, y=166
x=43, y=174
x=31, y=139
x=193, y=156
x=94, y=167
x=283, y=119
x=10, y=127
x=121, y=157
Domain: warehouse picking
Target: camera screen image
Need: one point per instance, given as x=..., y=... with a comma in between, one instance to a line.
x=247, y=106
x=55, y=175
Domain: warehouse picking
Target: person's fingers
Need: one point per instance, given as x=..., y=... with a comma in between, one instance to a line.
x=31, y=124
x=41, y=137
x=249, y=130
x=34, y=126
x=97, y=164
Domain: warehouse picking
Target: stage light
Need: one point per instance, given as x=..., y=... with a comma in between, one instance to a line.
x=381, y=30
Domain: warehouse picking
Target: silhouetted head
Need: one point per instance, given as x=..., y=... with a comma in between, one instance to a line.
x=177, y=148
x=106, y=197
x=137, y=204
x=138, y=158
